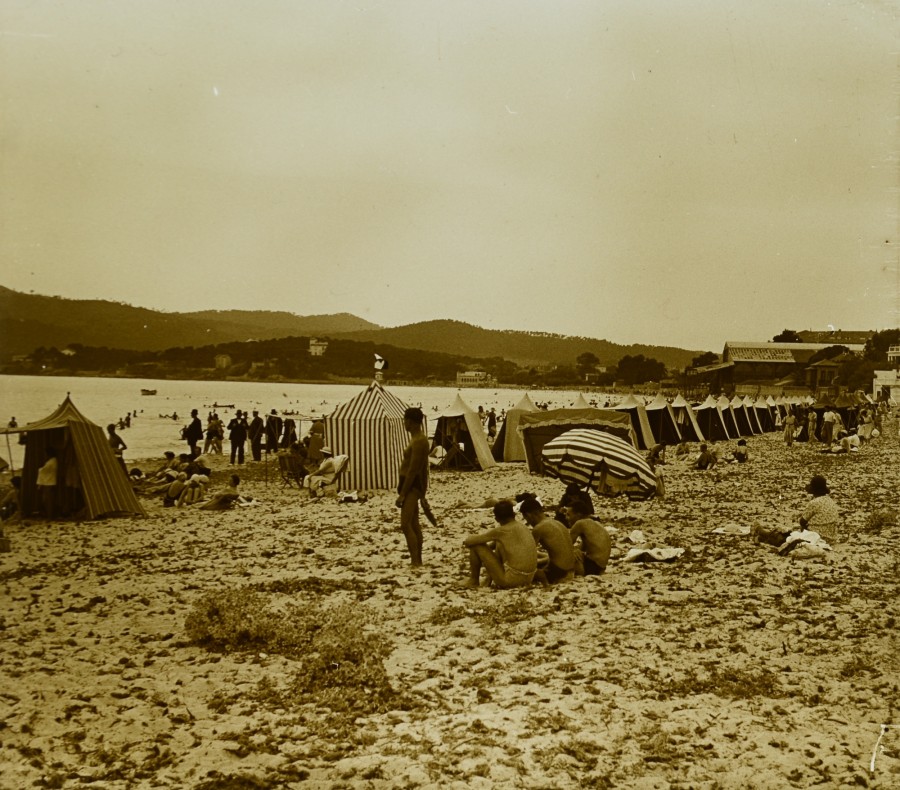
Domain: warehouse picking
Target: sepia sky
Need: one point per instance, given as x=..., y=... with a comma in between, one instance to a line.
x=649, y=171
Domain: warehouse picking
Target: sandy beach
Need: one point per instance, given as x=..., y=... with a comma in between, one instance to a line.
x=731, y=667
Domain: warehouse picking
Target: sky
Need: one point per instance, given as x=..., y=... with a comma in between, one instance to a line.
x=644, y=171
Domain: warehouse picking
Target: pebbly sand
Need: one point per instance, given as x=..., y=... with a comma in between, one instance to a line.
x=731, y=667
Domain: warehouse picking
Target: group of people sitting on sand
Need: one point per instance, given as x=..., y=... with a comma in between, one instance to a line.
x=550, y=549
x=547, y=549
x=184, y=481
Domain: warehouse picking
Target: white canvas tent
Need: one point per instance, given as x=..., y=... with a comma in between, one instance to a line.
x=508, y=446
x=460, y=435
x=580, y=402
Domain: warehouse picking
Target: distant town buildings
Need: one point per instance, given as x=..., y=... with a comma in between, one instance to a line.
x=475, y=378
x=317, y=348
x=223, y=361
x=774, y=367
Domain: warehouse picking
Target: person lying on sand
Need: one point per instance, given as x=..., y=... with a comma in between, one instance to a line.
x=225, y=499
x=554, y=538
x=507, y=552
x=595, y=542
x=174, y=489
x=193, y=491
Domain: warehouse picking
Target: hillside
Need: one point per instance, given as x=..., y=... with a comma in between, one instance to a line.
x=28, y=321
x=523, y=348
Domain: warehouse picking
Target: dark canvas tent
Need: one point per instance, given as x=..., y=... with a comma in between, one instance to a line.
x=508, y=445
x=711, y=420
x=636, y=410
x=461, y=437
x=687, y=420
x=90, y=481
x=369, y=430
x=539, y=427
x=742, y=417
x=663, y=421
x=730, y=418
x=764, y=415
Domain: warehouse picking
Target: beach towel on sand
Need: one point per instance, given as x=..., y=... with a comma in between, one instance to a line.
x=662, y=554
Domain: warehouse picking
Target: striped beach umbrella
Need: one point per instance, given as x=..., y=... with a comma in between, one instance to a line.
x=582, y=455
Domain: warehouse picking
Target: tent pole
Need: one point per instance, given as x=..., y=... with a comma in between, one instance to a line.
x=9, y=453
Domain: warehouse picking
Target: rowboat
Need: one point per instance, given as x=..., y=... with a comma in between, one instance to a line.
x=148, y=392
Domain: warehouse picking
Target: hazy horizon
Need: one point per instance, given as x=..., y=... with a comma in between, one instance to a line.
x=678, y=173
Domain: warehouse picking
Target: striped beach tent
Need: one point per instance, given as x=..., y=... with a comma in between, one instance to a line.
x=599, y=460
x=91, y=482
x=369, y=430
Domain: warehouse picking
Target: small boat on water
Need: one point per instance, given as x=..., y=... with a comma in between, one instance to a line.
x=148, y=392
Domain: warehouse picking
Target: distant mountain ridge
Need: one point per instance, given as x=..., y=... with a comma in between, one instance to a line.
x=28, y=321
x=523, y=348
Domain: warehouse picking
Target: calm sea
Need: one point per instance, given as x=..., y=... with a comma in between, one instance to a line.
x=152, y=432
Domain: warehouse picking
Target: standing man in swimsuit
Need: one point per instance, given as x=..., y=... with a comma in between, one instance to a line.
x=413, y=482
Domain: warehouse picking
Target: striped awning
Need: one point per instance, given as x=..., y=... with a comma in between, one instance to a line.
x=580, y=456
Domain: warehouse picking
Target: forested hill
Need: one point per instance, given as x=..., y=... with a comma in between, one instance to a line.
x=29, y=321
x=523, y=348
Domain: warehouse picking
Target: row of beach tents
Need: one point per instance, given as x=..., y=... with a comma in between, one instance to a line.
x=369, y=429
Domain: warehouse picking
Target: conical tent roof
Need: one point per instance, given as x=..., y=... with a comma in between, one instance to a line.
x=369, y=430
x=508, y=446
x=638, y=413
x=711, y=420
x=687, y=420
x=663, y=420
x=461, y=434
x=525, y=403
x=581, y=402
x=91, y=480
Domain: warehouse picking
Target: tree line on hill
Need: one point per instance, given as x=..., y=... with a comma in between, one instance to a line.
x=290, y=359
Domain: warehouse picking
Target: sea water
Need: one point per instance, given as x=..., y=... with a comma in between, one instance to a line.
x=153, y=429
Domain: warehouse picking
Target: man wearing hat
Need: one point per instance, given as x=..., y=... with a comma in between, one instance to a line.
x=821, y=514
x=237, y=435
x=255, y=433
